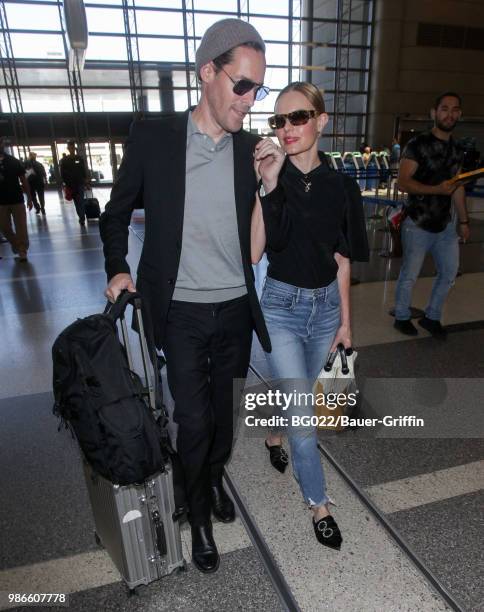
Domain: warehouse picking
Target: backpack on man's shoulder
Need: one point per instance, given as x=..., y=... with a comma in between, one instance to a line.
x=104, y=402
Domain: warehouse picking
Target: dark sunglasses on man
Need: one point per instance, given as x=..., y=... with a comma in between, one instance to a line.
x=245, y=85
x=297, y=117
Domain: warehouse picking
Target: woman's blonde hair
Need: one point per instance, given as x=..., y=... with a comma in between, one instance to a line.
x=309, y=91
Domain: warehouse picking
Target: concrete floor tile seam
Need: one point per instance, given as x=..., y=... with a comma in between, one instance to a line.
x=281, y=587
x=396, y=538
x=228, y=589
x=386, y=460
x=62, y=575
x=428, y=488
x=75, y=574
x=385, y=565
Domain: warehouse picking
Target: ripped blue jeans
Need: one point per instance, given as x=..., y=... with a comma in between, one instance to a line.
x=302, y=324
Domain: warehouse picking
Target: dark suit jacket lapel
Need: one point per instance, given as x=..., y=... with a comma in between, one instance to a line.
x=242, y=182
x=174, y=171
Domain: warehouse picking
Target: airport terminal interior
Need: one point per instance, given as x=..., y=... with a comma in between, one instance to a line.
x=408, y=500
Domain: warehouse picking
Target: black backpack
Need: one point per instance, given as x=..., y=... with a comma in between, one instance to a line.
x=104, y=402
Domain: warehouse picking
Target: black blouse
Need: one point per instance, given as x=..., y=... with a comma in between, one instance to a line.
x=305, y=227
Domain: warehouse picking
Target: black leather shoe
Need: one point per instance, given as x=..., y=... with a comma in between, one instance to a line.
x=434, y=327
x=405, y=326
x=204, y=550
x=327, y=532
x=222, y=505
x=278, y=457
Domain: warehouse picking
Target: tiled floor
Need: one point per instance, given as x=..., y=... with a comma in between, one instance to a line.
x=45, y=521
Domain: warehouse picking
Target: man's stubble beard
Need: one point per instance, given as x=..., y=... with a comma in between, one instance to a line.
x=445, y=128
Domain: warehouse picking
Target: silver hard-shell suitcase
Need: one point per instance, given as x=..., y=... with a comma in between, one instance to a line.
x=137, y=524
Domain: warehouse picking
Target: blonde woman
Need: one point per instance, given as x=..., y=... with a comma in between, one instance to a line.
x=309, y=219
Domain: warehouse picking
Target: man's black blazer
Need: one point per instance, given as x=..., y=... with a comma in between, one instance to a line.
x=153, y=172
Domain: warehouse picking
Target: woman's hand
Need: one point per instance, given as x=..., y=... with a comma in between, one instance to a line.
x=268, y=161
x=343, y=336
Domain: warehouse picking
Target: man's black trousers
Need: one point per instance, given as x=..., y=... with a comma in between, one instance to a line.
x=37, y=191
x=206, y=347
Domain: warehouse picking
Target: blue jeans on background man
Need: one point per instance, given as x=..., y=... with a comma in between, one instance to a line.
x=302, y=324
x=416, y=243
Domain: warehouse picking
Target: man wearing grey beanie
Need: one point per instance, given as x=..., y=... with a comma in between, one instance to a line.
x=194, y=174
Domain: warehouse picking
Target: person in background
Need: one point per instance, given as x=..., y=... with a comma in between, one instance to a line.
x=37, y=178
x=309, y=218
x=366, y=154
x=428, y=162
x=75, y=176
x=12, y=207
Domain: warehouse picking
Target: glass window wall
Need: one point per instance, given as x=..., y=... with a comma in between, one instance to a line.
x=334, y=56
x=105, y=20
x=107, y=48
x=162, y=23
x=32, y=17
x=166, y=50
x=46, y=100
x=37, y=46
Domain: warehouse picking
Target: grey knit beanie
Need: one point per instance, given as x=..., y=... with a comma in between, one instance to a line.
x=223, y=36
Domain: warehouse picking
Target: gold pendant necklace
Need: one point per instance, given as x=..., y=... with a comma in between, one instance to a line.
x=307, y=184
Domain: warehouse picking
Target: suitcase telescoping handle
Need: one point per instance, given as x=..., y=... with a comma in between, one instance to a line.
x=116, y=310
